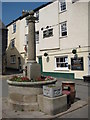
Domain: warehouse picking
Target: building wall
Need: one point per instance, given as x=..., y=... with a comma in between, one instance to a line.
x=18, y=50
x=49, y=17
x=76, y=16
x=77, y=22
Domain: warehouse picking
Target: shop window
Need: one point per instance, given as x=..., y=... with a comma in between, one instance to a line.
x=61, y=63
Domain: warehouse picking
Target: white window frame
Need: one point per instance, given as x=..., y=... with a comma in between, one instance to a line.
x=37, y=37
x=47, y=32
x=61, y=30
x=26, y=39
x=26, y=23
x=37, y=15
x=64, y=62
x=13, y=59
x=61, y=4
x=13, y=43
x=14, y=27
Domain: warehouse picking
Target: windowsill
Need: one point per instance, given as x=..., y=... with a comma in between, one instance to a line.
x=63, y=37
x=62, y=11
x=61, y=69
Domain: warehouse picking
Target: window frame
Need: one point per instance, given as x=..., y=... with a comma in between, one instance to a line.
x=48, y=33
x=61, y=4
x=13, y=59
x=14, y=27
x=12, y=43
x=66, y=62
x=37, y=37
x=63, y=31
x=37, y=15
x=26, y=39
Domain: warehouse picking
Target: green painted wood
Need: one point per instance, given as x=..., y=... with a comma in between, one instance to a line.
x=55, y=74
x=59, y=75
x=40, y=62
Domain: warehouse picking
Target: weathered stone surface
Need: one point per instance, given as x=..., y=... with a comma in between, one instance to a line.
x=53, y=106
x=24, y=96
x=33, y=70
x=40, y=102
x=16, y=97
x=23, y=106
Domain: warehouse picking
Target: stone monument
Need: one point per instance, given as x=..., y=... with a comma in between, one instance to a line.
x=33, y=68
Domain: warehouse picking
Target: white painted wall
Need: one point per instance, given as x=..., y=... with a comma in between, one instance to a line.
x=77, y=25
x=49, y=17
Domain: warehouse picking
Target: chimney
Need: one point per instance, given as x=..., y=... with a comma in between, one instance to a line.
x=23, y=12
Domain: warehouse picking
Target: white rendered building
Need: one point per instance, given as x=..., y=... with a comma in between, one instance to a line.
x=63, y=27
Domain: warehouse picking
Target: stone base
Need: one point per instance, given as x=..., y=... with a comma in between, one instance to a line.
x=33, y=70
x=23, y=106
x=52, y=106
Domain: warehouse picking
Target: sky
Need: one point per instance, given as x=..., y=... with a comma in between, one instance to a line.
x=13, y=10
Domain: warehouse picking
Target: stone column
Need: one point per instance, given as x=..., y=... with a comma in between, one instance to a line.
x=33, y=68
x=31, y=37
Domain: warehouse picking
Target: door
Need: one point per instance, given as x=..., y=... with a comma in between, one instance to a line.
x=89, y=65
x=40, y=62
x=19, y=64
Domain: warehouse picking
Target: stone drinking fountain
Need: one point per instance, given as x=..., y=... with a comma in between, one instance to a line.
x=24, y=95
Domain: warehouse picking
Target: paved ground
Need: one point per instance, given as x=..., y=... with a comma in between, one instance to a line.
x=77, y=110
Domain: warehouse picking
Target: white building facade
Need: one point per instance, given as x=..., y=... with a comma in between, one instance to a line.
x=63, y=27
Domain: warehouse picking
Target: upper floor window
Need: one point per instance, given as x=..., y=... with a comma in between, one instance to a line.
x=26, y=39
x=37, y=15
x=26, y=23
x=61, y=63
x=14, y=27
x=48, y=33
x=37, y=36
x=63, y=29
x=62, y=5
x=13, y=43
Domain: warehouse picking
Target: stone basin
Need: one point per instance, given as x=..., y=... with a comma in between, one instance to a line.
x=24, y=95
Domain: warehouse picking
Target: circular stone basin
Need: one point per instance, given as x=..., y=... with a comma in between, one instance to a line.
x=24, y=95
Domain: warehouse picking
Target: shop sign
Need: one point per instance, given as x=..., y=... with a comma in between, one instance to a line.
x=77, y=64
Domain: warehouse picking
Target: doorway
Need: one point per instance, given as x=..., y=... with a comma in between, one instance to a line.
x=40, y=62
x=19, y=64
